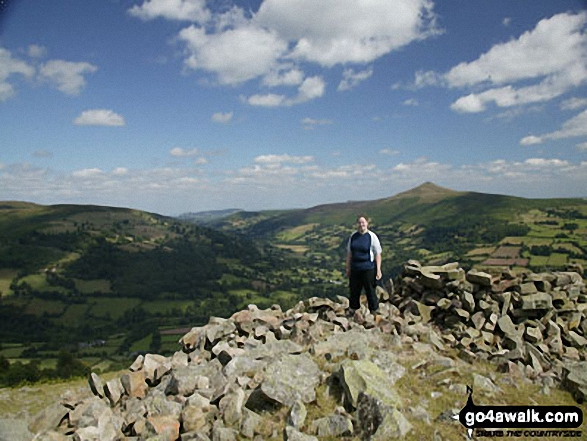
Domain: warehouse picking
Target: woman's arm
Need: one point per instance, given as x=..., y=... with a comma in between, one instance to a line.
x=378, y=264
x=348, y=264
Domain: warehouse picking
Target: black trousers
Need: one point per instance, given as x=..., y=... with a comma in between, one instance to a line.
x=358, y=281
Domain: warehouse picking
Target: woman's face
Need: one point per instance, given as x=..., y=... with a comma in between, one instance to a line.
x=362, y=224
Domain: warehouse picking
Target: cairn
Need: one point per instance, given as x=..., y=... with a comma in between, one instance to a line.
x=232, y=376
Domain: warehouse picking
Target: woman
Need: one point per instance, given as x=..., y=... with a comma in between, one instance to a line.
x=363, y=265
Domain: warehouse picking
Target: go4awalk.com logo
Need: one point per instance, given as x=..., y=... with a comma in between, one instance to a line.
x=520, y=421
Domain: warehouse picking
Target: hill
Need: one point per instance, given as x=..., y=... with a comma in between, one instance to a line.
x=105, y=281
x=443, y=339
x=434, y=224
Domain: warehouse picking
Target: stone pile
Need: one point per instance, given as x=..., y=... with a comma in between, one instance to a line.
x=267, y=374
x=536, y=323
x=232, y=375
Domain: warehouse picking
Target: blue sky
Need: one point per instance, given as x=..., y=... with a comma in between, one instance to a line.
x=185, y=105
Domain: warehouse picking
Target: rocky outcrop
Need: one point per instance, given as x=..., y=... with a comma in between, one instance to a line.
x=313, y=372
x=536, y=321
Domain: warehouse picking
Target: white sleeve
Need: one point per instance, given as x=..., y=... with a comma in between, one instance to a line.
x=375, y=244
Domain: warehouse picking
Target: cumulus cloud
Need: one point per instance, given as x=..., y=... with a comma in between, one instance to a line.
x=235, y=55
x=285, y=158
x=87, y=173
x=10, y=66
x=311, y=88
x=36, y=51
x=284, y=77
x=99, y=117
x=179, y=152
x=274, y=43
x=183, y=10
x=350, y=78
x=573, y=103
x=310, y=123
x=334, y=32
x=528, y=59
x=572, y=128
x=67, y=76
x=389, y=152
x=220, y=117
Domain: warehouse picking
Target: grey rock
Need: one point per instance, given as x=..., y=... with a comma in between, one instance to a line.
x=292, y=434
x=185, y=380
x=49, y=418
x=363, y=376
x=291, y=378
x=297, y=415
x=575, y=380
x=114, y=391
x=14, y=429
x=333, y=426
x=96, y=385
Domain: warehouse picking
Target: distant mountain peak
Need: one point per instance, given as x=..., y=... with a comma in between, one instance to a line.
x=427, y=190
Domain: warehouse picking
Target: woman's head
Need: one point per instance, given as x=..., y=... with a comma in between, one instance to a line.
x=362, y=223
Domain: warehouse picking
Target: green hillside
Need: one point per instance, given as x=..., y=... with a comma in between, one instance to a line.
x=107, y=282
x=434, y=224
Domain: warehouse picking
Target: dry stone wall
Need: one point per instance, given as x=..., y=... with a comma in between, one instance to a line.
x=258, y=374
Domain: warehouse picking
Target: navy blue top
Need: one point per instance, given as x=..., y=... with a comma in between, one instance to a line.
x=363, y=249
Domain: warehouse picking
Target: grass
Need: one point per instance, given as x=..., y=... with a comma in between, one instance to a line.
x=73, y=314
x=93, y=286
x=112, y=307
x=6, y=277
x=40, y=307
x=557, y=260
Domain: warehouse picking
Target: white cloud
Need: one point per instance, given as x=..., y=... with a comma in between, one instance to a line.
x=220, y=117
x=87, y=173
x=531, y=140
x=350, y=78
x=67, y=76
x=36, y=51
x=311, y=88
x=331, y=32
x=285, y=158
x=389, y=152
x=411, y=102
x=573, y=103
x=311, y=122
x=238, y=45
x=99, y=117
x=281, y=77
x=267, y=100
x=527, y=59
x=235, y=55
x=179, y=152
x=10, y=66
x=188, y=10
x=574, y=127
x=582, y=146
x=120, y=171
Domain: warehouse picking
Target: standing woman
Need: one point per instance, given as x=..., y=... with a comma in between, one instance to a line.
x=363, y=265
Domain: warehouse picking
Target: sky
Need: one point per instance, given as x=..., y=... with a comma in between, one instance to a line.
x=175, y=106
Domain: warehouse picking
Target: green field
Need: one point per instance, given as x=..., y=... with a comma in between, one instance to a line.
x=6, y=278
x=93, y=286
x=112, y=307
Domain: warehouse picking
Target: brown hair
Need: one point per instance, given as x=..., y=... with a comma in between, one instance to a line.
x=363, y=215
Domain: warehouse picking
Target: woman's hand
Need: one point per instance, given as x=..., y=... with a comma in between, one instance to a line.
x=379, y=275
